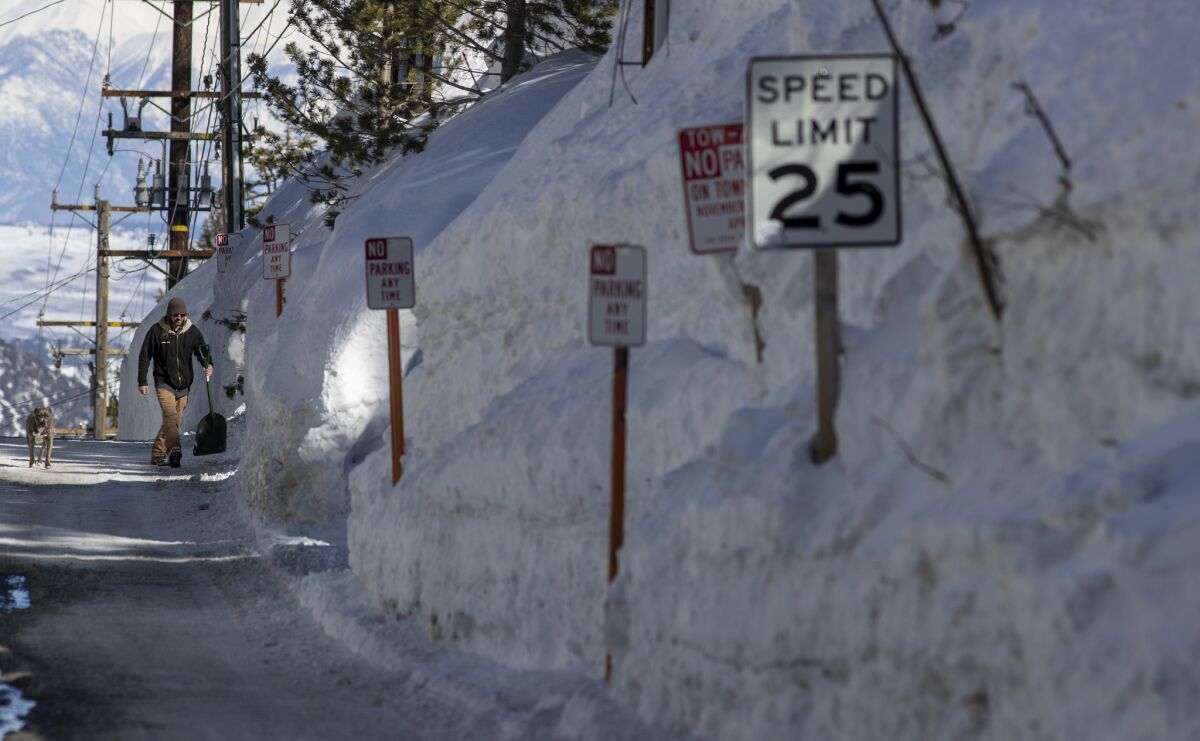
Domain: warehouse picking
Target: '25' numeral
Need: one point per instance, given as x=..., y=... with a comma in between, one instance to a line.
x=845, y=185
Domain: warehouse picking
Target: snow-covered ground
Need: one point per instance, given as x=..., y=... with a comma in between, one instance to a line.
x=1001, y=548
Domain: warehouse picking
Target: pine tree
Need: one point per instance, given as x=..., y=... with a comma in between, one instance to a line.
x=510, y=31
x=213, y=225
x=276, y=157
x=348, y=95
x=380, y=73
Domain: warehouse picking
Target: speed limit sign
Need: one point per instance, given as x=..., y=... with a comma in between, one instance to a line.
x=823, y=151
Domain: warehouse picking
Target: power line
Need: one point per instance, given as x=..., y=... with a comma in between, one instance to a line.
x=26, y=15
x=66, y=160
x=57, y=285
x=39, y=291
x=149, y=52
x=108, y=64
x=51, y=400
x=282, y=33
x=82, y=100
x=250, y=36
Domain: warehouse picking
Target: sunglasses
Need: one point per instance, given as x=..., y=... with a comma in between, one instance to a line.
x=179, y=315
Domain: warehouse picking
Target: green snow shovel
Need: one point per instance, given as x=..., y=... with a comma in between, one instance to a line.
x=210, y=432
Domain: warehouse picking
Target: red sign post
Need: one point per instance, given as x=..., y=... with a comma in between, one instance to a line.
x=391, y=286
x=617, y=318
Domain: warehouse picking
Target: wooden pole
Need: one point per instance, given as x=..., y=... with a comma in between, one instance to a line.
x=395, y=381
x=231, y=113
x=648, y=30
x=824, y=445
x=100, y=411
x=616, y=521
x=178, y=170
x=279, y=296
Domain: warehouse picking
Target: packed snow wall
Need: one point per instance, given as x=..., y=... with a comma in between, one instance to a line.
x=316, y=376
x=990, y=529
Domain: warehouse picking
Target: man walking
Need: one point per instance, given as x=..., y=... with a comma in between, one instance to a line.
x=170, y=344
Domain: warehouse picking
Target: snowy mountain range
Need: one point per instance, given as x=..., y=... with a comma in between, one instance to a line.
x=26, y=381
x=52, y=67
x=53, y=64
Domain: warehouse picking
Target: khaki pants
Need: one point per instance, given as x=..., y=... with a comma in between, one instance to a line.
x=168, y=434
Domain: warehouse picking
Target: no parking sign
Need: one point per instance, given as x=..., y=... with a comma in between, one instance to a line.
x=390, y=282
x=224, y=251
x=277, y=251
x=617, y=295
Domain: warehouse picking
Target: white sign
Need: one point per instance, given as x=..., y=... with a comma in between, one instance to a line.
x=617, y=296
x=713, y=183
x=277, y=251
x=824, y=151
x=224, y=251
x=390, y=282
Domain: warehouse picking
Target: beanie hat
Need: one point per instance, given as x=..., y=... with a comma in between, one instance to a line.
x=176, y=306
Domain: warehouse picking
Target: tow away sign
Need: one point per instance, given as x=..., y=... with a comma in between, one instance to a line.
x=823, y=151
x=390, y=282
x=277, y=251
x=713, y=182
x=617, y=296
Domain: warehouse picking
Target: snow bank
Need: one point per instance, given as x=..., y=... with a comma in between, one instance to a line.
x=316, y=376
x=1000, y=549
x=922, y=586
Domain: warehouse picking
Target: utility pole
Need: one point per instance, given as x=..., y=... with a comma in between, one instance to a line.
x=178, y=171
x=178, y=189
x=231, y=108
x=176, y=202
x=101, y=323
x=100, y=396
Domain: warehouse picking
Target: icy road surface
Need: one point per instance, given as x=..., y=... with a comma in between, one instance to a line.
x=151, y=614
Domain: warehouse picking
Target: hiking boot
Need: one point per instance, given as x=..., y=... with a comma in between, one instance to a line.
x=175, y=457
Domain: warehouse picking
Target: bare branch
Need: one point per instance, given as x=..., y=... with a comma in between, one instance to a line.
x=985, y=260
x=1034, y=108
x=906, y=449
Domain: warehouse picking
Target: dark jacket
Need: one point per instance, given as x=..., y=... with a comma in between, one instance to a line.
x=172, y=354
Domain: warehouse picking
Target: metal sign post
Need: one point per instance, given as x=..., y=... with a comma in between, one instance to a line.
x=277, y=258
x=391, y=286
x=824, y=173
x=617, y=318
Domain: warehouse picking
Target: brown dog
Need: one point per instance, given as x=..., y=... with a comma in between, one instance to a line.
x=39, y=428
